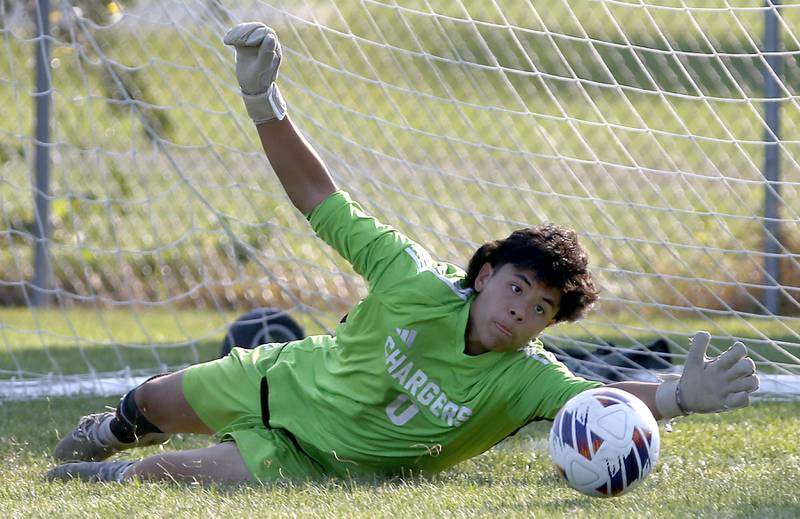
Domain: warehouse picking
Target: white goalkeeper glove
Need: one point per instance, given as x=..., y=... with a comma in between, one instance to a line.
x=258, y=56
x=709, y=385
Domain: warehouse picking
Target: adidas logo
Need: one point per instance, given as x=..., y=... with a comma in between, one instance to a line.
x=407, y=336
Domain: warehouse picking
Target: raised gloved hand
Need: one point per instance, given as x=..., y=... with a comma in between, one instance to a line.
x=709, y=385
x=258, y=56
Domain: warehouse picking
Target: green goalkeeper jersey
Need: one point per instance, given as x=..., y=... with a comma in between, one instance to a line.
x=394, y=390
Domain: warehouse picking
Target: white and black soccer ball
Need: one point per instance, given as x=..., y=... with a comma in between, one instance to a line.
x=604, y=442
x=261, y=326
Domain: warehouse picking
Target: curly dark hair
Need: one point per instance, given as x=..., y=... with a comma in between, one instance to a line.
x=556, y=258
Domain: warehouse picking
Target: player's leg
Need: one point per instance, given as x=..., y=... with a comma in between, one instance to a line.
x=162, y=402
x=146, y=415
x=259, y=452
x=220, y=463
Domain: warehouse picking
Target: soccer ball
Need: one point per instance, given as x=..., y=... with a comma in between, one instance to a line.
x=604, y=442
x=261, y=326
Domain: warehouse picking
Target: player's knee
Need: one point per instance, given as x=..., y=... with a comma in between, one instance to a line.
x=147, y=399
x=153, y=398
x=139, y=412
x=162, y=402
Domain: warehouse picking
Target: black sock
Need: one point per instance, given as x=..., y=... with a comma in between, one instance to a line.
x=129, y=423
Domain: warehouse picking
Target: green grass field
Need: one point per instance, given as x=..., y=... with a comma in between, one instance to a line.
x=740, y=464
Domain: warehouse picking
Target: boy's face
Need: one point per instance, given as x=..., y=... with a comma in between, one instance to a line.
x=511, y=308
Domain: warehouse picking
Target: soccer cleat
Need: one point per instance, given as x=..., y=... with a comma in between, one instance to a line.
x=90, y=471
x=93, y=440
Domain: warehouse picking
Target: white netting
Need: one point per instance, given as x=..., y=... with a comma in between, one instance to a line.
x=639, y=124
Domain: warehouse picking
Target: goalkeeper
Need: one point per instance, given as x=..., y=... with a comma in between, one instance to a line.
x=434, y=366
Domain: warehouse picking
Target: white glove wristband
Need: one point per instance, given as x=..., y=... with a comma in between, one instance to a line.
x=265, y=106
x=668, y=399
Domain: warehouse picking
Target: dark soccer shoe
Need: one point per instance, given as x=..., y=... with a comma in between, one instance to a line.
x=92, y=440
x=90, y=471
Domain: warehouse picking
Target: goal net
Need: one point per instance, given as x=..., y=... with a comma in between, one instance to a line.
x=663, y=131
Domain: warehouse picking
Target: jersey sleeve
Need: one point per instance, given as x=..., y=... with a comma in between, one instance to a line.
x=551, y=387
x=378, y=252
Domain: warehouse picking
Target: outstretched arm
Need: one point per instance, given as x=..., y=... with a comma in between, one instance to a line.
x=645, y=391
x=300, y=170
x=368, y=245
x=302, y=173
x=706, y=385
